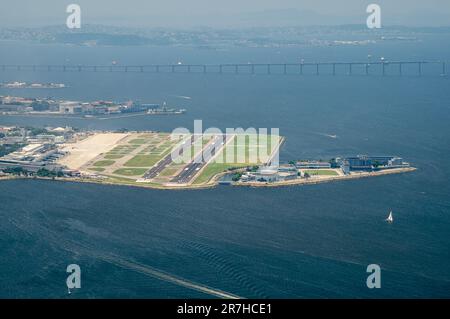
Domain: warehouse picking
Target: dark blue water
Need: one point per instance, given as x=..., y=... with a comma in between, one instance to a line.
x=302, y=241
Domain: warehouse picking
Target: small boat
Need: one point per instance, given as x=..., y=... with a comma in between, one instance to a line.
x=390, y=218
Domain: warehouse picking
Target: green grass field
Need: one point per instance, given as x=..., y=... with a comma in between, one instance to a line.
x=249, y=155
x=113, y=156
x=143, y=161
x=146, y=136
x=214, y=169
x=247, y=151
x=103, y=163
x=123, y=149
x=169, y=171
x=138, y=141
x=130, y=171
x=138, y=154
x=143, y=151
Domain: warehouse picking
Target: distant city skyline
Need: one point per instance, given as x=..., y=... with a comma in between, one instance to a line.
x=232, y=13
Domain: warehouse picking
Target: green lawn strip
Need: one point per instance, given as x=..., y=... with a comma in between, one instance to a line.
x=114, y=156
x=143, y=161
x=168, y=172
x=104, y=163
x=214, y=169
x=96, y=169
x=323, y=172
x=118, y=178
x=121, y=150
x=138, y=141
x=130, y=171
x=128, y=181
x=260, y=151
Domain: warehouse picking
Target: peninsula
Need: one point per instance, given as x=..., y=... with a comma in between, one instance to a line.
x=162, y=160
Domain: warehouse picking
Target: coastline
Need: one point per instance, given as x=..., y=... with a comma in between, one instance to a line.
x=328, y=179
x=92, y=117
x=214, y=182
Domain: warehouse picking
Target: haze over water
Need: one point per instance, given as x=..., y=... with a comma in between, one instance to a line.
x=300, y=241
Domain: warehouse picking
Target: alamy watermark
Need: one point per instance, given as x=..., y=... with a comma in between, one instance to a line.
x=374, y=19
x=235, y=145
x=374, y=279
x=73, y=21
x=73, y=281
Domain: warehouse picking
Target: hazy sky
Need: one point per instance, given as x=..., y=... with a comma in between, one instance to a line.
x=224, y=13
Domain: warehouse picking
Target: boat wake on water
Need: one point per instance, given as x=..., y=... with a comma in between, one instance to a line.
x=129, y=264
x=147, y=270
x=183, y=97
x=333, y=136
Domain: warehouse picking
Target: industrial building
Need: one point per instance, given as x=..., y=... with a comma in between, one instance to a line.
x=271, y=174
x=70, y=107
x=365, y=162
x=32, y=157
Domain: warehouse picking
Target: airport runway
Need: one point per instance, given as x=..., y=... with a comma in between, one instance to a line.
x=162, y=164
x=197, y=164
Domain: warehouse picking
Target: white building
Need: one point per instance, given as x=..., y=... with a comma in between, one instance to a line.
x=70, y=107
x=267, y=174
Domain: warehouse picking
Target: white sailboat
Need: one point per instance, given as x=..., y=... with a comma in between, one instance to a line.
x=390, y=218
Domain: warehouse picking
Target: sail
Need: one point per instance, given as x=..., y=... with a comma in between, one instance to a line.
x=390, y=217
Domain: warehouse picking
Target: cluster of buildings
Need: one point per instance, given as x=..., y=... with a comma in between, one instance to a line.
x=355, y=163
x=103, y=107
x=25, y=85
x=345, y=166
x=368, y=163
x=20, y=135
x=32, y=157
x=33, y=149
x=13, y=104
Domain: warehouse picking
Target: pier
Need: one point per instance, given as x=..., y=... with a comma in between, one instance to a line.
x=380, y=68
